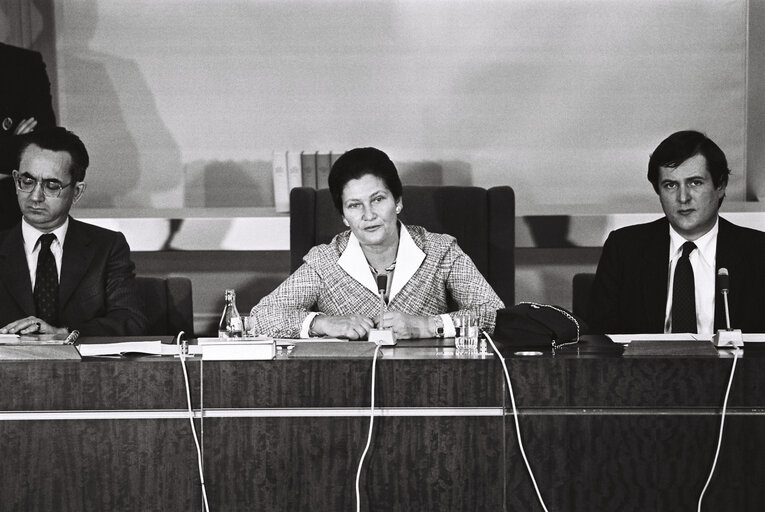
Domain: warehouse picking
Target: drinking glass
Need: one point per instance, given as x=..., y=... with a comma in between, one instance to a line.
x=247, y=326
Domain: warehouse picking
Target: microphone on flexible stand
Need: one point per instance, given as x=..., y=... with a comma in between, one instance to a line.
x=726, y=337
x=382, y=285
x=382, y=336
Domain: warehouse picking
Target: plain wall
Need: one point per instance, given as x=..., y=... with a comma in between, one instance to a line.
x=182, y=102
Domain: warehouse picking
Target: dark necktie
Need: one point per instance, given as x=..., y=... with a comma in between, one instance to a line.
x=46, y=282
x=684, y=294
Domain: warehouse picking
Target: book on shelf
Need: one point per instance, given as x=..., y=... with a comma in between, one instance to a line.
x=334, y=155
x=308, y=168
x=300, y=169
x=294, y=173
x=323, y=165
x=281, y=182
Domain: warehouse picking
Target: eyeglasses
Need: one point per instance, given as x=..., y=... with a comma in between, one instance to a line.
x=50, y=187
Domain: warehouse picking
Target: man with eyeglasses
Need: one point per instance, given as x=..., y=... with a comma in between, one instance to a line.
x=56, y=273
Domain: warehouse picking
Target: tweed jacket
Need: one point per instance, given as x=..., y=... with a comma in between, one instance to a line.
x=98, y=294
x=445, y=281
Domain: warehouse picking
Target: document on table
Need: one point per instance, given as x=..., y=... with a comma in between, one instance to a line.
x=153, y=347
x=626, y=338
x=292, y=341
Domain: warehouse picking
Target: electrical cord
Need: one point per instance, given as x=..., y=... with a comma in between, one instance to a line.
x=515, y=418
x=371, y=424
x=722, y=425
x=182, y=355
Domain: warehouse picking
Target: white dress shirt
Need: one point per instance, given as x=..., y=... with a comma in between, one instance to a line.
x=31, y=237
x=703, y=261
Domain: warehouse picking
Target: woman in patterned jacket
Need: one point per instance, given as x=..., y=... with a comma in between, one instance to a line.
x=428, y=280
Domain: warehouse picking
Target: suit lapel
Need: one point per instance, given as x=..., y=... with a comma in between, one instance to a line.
x=408, y=261
x=78, y=253
x=728, y=256
x=353, y=261
x=655, y=274
x=14, y=270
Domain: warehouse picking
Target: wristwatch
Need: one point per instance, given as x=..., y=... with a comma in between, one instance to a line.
x=438, y=326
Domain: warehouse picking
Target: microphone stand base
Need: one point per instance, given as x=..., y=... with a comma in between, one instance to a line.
x=382, y=336
x=728, y=338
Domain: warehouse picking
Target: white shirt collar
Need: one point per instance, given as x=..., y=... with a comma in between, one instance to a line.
x=409, y=257
x=706, y=245
x=31, y=234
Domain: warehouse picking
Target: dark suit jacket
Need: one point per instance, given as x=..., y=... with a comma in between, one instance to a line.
x=97, y=290
x=629, y=294
x=24, y=93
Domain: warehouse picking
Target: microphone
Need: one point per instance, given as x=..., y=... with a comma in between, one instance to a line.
x=723, y=283
x=723, y=280
x=726, y=337
x=382, y=284
x=382, y=336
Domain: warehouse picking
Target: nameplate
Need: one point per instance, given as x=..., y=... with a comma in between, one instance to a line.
x=237, y=349
x=28, y=352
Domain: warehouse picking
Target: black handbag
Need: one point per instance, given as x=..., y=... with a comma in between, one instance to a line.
x=530, y=324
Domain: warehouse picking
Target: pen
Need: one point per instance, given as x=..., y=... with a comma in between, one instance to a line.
x=72, y=337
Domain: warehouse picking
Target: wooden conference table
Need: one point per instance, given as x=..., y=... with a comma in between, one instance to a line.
x=603, y=431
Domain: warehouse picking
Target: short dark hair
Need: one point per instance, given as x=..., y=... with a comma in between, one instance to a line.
x=60, y=139
x=679, y=147
x=359, y=162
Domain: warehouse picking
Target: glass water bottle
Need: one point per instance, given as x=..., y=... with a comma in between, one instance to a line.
x=230, y=325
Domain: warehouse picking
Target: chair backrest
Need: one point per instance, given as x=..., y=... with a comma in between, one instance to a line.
x=168, y=303
x=582, y=285
x=482, y=221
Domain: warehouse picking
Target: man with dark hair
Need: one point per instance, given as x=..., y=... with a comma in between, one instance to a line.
x=25, y=105
x=661, y=276
x=56, y=273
